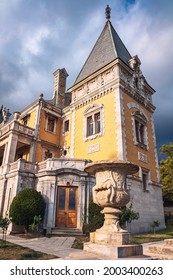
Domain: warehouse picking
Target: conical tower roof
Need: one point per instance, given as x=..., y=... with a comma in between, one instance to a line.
x=108, y=47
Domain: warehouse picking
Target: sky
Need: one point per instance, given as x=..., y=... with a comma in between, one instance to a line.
x=39, y=36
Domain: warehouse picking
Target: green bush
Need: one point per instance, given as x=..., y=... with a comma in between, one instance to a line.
x=96, y=219
x=128, y=215
x=25, y=206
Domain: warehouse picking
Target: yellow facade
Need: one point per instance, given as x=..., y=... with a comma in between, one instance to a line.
x=106, y=142
x=132, y=149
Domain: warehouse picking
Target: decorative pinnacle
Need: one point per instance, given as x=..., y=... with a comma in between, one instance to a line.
x=108, y=12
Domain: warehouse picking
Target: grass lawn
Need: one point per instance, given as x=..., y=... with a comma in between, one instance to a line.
x=151, y=237
x=10, y=251
x=135, y=238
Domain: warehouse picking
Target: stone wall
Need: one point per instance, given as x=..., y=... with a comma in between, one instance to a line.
x=148, y=204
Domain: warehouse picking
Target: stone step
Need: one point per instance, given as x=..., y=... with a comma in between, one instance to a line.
x=160, y=256
x=161, y=249
x=66, y=232
x=90, y=256
x=168, y=242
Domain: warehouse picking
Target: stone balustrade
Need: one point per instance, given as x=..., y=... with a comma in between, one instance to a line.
x=18, y=165
x=16, y=126
x=49, y=164
x=59, y=163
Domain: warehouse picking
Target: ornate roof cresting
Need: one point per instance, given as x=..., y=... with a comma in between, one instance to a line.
x=108, y=12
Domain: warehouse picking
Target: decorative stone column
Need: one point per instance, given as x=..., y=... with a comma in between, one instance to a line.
x=110, y=192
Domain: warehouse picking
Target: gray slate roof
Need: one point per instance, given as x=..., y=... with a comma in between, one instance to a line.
x=107, y=48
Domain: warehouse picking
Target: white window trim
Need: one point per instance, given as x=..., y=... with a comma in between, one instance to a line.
x=147, y=173
x=66, y=132
x=142, y=120
x=91, y=111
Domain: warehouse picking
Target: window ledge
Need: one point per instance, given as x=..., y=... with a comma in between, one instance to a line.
x=141, y=145
x=50, y=131
x=94, y=136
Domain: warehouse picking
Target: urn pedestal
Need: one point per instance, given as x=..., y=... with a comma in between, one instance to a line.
x=110, y=192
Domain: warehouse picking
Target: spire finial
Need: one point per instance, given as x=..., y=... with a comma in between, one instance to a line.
x=108, y=12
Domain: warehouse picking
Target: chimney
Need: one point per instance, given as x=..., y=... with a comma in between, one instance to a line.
x=60, y=77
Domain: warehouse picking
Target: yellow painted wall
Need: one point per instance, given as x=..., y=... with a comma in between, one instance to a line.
x=49, y=137
x=31, y=118
x=107, y=141
x=66, y=137
x=31, y=122
x=131, y=149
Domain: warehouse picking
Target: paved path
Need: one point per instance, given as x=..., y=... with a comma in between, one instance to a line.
x=58, y=246
x=61, y=247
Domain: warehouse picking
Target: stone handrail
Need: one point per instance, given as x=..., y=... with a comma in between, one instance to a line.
x=59, y=163
x=20, y=164
x=16, y=126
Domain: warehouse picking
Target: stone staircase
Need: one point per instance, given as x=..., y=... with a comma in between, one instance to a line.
x=161, y=251
x=66, y=232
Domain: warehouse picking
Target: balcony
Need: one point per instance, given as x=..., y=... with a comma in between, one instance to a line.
x=59, y=163
x=19, y=165
x=17, y=127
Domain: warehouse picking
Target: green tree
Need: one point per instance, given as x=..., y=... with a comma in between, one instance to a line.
x=25, y=206
x=154, y=225
x=166, y=172
x=128, y=215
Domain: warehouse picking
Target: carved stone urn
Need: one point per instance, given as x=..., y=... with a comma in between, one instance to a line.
x=110, y=192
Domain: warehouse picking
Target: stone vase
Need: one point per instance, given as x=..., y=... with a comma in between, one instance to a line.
x=110, y=192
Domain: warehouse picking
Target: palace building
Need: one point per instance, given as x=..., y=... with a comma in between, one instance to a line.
x=107, y=114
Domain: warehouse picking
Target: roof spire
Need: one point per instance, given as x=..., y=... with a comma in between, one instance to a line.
x=108, y=12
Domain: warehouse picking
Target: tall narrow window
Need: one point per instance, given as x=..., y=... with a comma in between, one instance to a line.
x=90, y=130
x=51, y=124
x=140, y=123
x=66, y=126
x=93, y=124
x=97, y=122
x=145, y=176
x=93, y=121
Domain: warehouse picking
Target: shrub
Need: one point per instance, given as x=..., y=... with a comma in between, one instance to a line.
x=128, y=215
x=96, y=219
x=25, y=206
x=155, y=224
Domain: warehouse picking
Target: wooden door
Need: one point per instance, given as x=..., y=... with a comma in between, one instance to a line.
x=66, y=214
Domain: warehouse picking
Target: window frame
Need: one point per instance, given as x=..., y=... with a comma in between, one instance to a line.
x=66, y=129
x=145, y=177
x=54, y=119
x=93, y=122
x=140, y=129
x=25, y=120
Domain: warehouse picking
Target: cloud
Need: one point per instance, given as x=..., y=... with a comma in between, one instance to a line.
x=37, y=37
